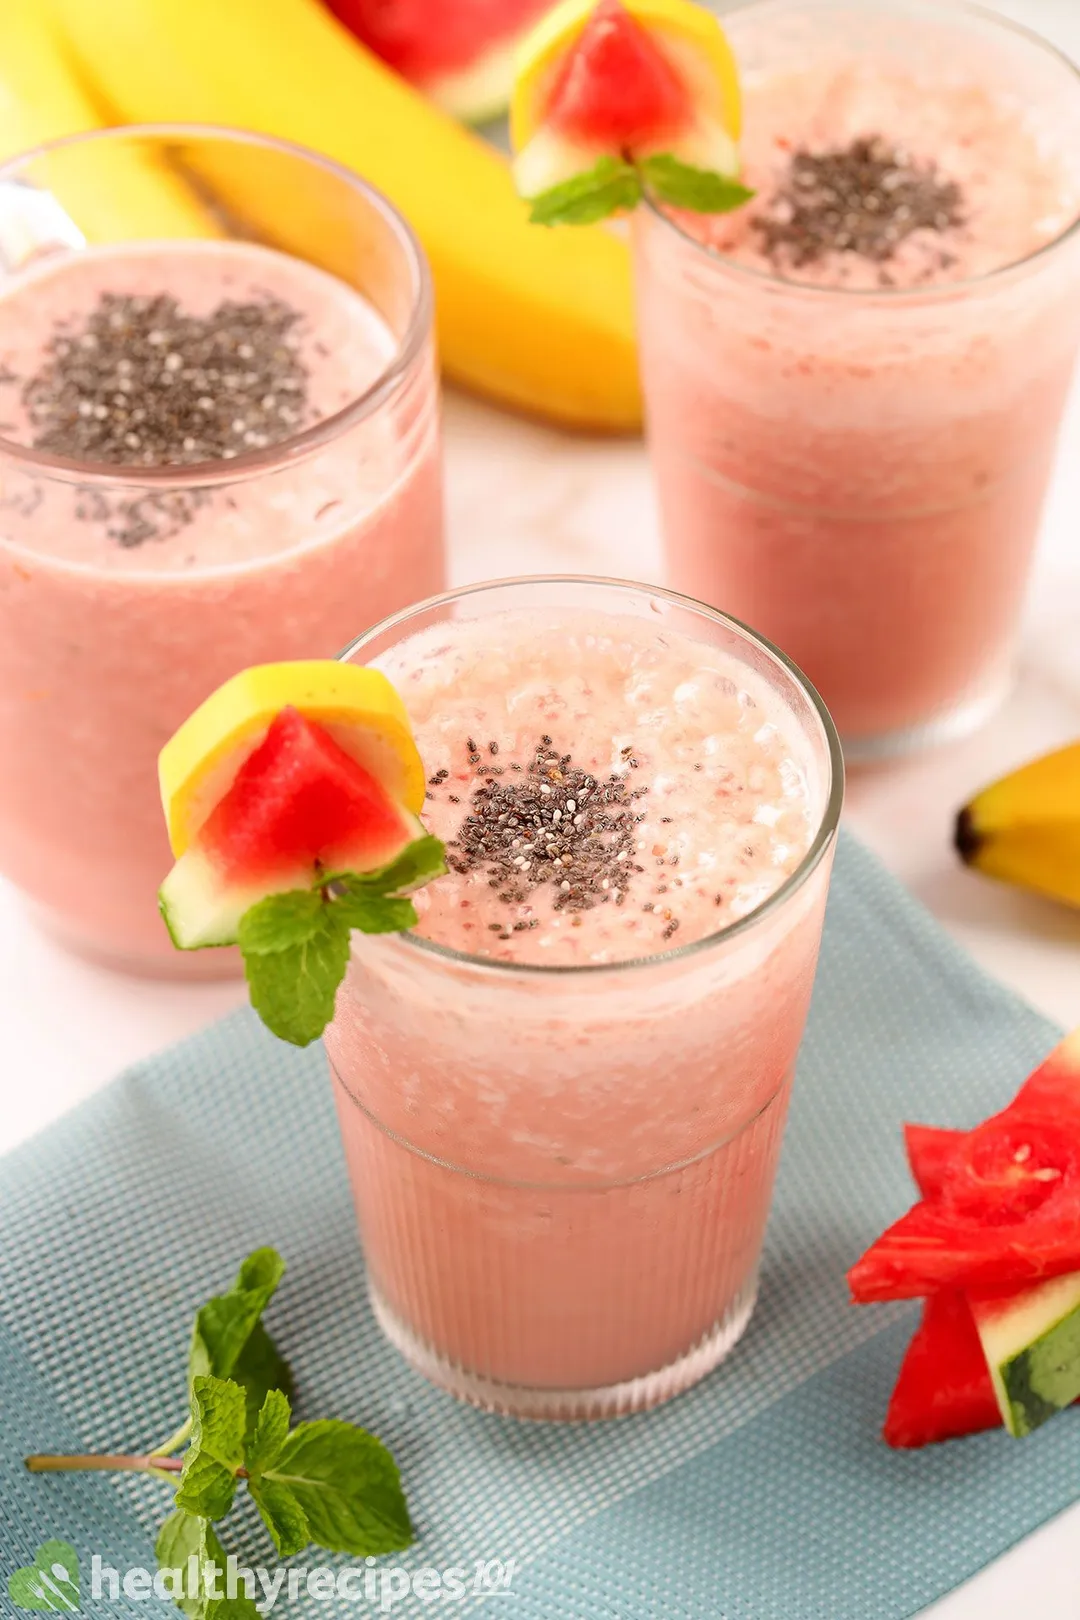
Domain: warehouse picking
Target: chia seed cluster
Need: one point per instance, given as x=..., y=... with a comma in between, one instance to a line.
x=865, y=198
x=144, y=384
x=550, y=822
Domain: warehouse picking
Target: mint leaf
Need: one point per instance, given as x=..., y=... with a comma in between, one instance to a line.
x=296, y=945
x=269, y=1435
x=216, y=1453
x=282, y=1515
x=374, y=913
x=225, y=1323
x=229, y=1341
x=187, y=1535
x=293, y=986
x=280, y=1510
x=282, y=921
x=702, y=190
x=418, y=863
x=347, y=1486
x=609, y=186
x=182, y=1537
x=260, y=1368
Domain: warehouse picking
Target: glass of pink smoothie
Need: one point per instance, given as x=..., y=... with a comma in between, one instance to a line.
x=854, y=383
x=217, y=448
x=562, y=1096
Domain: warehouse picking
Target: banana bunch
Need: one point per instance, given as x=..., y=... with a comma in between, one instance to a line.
x=1025, y=829
x=42, y=97
x=538, y=320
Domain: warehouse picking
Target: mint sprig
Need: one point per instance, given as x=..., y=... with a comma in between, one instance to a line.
x=326, y=1482
x=705, y=191
x=611, y=185
x=617, y=184
x=296, y=945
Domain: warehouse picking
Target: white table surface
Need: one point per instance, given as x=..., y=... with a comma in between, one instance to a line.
x=526, y=499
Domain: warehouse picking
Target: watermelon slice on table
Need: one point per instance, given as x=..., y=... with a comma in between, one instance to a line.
x=992, y=1243
x=617, y=98
x=1001, y=1208
x=459, y=53
x=944, y=1390
x=929, y=1150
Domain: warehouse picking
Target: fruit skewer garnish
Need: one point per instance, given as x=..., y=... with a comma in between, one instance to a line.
x=621, y=99
x=460, y=55
x=291, y=799
x=993, y=1246
x=541, y=321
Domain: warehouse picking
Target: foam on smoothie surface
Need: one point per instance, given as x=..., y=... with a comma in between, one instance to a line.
x=962, y=184
x=605, y=789
x=175, y=354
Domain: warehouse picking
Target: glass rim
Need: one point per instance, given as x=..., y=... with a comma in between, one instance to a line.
x=820, y=844
x=944, y=290
x=220, y=471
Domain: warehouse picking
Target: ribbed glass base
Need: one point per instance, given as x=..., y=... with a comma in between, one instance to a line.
x=943, y=728
x=572, y=1405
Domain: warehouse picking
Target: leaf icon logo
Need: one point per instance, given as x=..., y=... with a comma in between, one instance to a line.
x=50, y=1585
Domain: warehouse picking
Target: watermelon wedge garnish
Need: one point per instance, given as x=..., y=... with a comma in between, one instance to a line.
x=458, y=53
x=291, y=797
x=618, y=99
x=300, y=808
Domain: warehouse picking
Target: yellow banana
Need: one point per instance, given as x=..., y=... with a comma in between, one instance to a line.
x=39, y=94
x=1025, y=829
x=539, y=320
x=124, y=193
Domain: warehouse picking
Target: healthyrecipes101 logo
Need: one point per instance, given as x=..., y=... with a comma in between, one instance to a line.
x=51, y=1584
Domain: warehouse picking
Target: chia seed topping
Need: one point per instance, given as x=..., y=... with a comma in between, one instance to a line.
x=554, y=823
x=143, y=384
x=865, y=198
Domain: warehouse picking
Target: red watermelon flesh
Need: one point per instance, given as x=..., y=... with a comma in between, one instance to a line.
x=616, y=89
x=458, y=52
x=929, y=1150
x=301, y=799
x=944, y=1389
x=1001, y=1208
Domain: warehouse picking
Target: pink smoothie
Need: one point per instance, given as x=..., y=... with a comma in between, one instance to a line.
x=563, y=1177
x=124, y=603
x=852, y=445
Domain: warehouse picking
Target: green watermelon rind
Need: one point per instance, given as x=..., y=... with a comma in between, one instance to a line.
x=202, y=913
x=1032, y=1348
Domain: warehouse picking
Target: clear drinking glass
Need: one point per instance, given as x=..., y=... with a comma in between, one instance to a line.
x=860, y=473
x=562, y=1174
x=127, y=594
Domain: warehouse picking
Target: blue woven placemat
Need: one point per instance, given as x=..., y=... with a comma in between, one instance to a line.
x=763, y=1494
